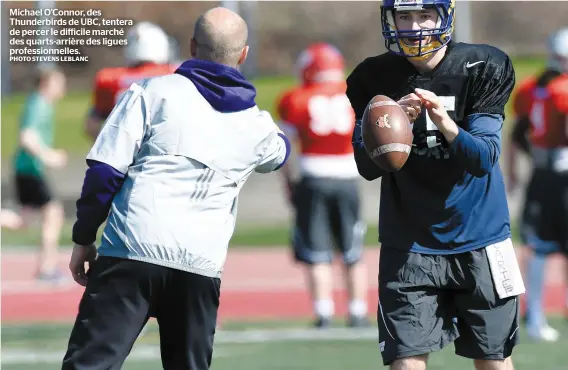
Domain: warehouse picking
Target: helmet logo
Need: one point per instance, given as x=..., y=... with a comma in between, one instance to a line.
x=417, y=3
x=383, y=121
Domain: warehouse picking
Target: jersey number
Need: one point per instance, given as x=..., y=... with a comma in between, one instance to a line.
x=330, y=114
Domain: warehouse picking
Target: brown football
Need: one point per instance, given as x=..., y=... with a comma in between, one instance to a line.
x=387, y=133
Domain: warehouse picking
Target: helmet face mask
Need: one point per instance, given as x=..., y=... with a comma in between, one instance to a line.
x=429, y=39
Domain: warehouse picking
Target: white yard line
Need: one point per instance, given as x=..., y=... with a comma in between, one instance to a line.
x=18, y=356
x=29, y=357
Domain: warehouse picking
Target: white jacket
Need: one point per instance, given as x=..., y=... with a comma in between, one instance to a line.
x=185, y=164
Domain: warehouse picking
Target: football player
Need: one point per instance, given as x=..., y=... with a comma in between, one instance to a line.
x=148, y=53
x=541, y=130
x=318, y=115
x=447, y=268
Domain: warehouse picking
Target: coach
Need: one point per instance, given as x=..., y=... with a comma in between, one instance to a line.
x=167, y=168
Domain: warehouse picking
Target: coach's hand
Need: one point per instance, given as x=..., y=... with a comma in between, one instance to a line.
x=412, y=106
x=438, y=114
x=80, y=255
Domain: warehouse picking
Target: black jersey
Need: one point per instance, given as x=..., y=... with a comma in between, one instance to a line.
x=447, y=198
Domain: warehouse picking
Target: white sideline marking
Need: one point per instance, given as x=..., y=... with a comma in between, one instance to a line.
x=30, y=357
x=282, y=335
x=18, y=356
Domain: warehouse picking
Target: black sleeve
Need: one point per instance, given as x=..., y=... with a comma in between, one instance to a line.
x=519, y=134
x=493, y=85
x=359, y=100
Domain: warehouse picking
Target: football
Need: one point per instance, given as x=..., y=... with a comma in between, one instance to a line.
x=387, y=133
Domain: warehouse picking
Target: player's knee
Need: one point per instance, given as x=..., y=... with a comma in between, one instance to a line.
x=353, y=250
x=410, y=363
x=308, y=251
x=312, y=257
x=505, y=364
x=352, y=257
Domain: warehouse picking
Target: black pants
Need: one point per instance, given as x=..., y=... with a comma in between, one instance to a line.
x=120, y=297
x=545, y=216
x=33, y=191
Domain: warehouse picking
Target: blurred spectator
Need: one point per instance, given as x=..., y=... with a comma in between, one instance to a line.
x=35, y=152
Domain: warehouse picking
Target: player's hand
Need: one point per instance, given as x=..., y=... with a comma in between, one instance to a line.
x=56, y=158
x=82, y=254
x=412, y=106
x=435, y=107
x=438, y=114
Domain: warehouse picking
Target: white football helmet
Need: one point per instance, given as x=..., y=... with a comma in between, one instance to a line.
x=558, y=51
x=147, y=42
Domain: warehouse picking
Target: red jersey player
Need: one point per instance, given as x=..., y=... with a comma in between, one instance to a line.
x=147, y=53
x=318, y=114
x=541, y=130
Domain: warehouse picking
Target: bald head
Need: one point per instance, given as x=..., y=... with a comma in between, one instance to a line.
x=220, y=35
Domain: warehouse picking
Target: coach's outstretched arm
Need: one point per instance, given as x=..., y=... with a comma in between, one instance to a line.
x=108, y=161
x=276, y=149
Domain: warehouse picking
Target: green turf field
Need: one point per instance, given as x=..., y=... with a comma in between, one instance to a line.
x=270, y=348
x=245, y=236
x=71, y=111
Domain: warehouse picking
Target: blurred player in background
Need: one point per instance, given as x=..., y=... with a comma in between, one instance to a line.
x=149, y=53
x=34, y=154
x=541, y=130
x=326, y=198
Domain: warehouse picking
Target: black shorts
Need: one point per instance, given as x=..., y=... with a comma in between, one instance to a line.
x=327, y=214
x=545, y=214
x=32, y=191
x=120, y=297
x=428, y=301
